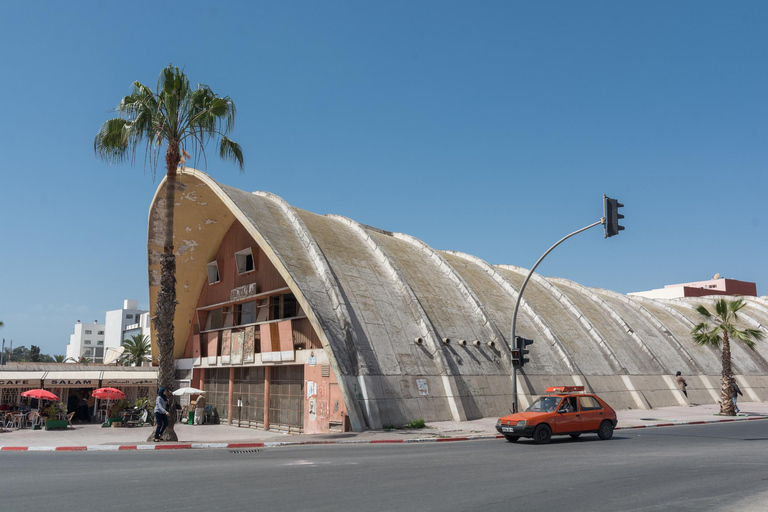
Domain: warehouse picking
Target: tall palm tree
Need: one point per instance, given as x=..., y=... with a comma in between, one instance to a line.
x=718, y=328
x=178, y=118
x=137, y=350
x=59, y=358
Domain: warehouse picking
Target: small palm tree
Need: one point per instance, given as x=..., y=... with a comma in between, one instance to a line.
x=718, y=328
x=84, y=359
x=137, y=350
x=59, y=358
x=179, y=118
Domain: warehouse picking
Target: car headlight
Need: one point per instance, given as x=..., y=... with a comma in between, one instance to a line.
x=498, y=423
x=522, y=423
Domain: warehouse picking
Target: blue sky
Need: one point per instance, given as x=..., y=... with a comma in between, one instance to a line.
x=491, y=128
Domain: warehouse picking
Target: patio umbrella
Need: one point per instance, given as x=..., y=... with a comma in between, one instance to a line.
x=188, y=391
x=40, y=394
x=108, y=394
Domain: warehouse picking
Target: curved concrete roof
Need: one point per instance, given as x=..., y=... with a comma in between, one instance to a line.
x=370, y=293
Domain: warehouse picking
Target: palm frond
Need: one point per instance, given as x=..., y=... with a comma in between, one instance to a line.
x=703, y=311
x=230, y=150
x=113, y=140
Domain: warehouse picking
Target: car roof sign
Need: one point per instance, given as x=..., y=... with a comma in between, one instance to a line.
x=565, y=389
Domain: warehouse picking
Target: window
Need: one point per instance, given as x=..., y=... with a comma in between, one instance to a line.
x=100, y=342
x=215, y=319
x=129, y=317
x=248, y=313
x=213, y=272
x=87, y=342
x=228, y=317
x=588, y=403
x=101, y=333
x=244, y=261
x=290, y=306
x=87, y=332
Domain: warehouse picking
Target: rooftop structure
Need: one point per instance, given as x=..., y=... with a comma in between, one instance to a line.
x=715, y=286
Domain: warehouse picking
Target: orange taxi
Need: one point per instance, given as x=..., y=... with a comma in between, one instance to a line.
x=564, y=410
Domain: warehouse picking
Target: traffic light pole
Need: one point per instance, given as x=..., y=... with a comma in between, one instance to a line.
x=520, y=297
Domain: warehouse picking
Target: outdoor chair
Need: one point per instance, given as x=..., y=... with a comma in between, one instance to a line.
x=69, y=419
x=34, y=418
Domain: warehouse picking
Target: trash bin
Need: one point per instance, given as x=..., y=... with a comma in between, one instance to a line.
x=191, y=418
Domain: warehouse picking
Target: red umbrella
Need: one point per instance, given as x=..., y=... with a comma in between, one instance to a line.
x=108, y=394
x=40, y=394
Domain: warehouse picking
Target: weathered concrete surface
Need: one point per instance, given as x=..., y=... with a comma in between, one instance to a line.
x=370, y=294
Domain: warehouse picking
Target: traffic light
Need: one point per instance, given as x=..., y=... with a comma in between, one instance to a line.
x=612, y=216
x=518, y=353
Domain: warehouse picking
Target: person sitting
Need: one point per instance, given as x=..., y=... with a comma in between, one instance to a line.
x=568, y=405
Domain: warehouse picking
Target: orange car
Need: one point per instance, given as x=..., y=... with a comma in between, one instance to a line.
x=564, y=410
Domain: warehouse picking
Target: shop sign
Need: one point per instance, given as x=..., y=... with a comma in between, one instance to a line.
x=71, y=382
x=18, y=382
x=243, y=292
x=129, y=382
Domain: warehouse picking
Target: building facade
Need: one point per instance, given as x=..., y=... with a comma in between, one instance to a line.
x=716, y=286
x=312, y=323
x=121, y=323
x=86, y=340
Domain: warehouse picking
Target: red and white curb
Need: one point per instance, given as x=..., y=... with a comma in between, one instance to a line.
x=246, y=446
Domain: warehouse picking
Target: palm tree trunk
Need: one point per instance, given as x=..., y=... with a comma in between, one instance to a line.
x=165, y=309
x=726, y=403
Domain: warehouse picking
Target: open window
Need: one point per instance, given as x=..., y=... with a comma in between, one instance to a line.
x=245, y=261
x=213, y=272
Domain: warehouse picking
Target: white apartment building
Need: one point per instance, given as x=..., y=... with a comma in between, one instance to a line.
x=87, y=340
x=123, y=323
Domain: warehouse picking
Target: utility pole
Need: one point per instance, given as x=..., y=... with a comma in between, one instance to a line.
x=610, y=220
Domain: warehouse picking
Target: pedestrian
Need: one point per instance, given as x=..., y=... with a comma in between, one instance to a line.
x=161, y=413
x=735, y=392
x=681, y=383
x=200, y=410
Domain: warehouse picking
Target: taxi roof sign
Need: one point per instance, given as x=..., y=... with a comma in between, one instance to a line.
x=565, y=389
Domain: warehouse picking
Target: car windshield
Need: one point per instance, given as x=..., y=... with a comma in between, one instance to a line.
x=545, y=404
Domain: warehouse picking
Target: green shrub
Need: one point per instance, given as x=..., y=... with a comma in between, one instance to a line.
x=419, y=423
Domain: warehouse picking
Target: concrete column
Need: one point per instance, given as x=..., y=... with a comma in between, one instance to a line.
x=267, y=379
x=231, y=389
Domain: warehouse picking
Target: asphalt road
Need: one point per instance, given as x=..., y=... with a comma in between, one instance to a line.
x=703, y=467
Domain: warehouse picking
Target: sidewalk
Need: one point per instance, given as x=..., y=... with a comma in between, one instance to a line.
x=93, y=437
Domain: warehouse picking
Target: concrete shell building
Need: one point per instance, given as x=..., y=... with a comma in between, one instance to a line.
x=306, y=322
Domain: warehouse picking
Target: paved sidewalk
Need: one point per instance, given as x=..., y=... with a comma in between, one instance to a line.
x=94, y=437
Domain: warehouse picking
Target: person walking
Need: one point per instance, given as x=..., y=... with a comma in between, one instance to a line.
x=200, y=410
x=161, y=414
x=735, y=392
x=681, y=384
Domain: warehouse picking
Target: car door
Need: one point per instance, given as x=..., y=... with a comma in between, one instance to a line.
x=592, y=413
x=566, y=422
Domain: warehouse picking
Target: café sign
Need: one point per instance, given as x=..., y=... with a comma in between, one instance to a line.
x=71, y=382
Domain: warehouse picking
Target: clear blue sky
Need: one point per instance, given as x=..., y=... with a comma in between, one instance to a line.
x=491, y=128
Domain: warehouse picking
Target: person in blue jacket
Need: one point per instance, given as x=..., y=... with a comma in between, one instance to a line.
x=161, y=413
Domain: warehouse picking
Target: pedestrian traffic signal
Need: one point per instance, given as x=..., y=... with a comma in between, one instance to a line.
x=518, y=353
x=612, y=216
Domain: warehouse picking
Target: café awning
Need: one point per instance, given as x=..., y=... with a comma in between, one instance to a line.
x=72, y=379
x=122, y=378
x=21, y=379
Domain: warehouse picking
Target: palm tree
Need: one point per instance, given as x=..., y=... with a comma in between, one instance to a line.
x=179, y=118
x=137, y=350
x=721, y=330
x=59, y=358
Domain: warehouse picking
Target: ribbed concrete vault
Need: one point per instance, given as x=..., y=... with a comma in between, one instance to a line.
x=370, y=294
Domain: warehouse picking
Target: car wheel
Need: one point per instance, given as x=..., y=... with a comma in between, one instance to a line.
x=575, y=436
x=511, y=439
x=542, y=434
x=606, y=430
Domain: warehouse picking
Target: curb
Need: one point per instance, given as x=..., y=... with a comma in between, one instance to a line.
x=245, y=446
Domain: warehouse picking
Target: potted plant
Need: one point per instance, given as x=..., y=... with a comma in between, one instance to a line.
x=114, y=411
x=55, y=416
